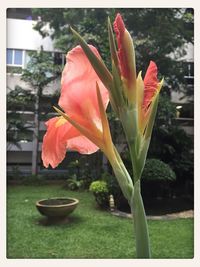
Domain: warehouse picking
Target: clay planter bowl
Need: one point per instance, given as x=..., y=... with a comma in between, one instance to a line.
x=59, y=207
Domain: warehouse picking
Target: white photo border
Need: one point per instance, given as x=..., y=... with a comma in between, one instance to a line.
x=102, y=4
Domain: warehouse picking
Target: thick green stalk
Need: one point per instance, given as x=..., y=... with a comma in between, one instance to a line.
x=140, y=224
x=128, y=118
x=137, y=207
x=129, y=122
x=122, y=175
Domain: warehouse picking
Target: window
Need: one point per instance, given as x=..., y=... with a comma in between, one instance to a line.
x=18, y=57
x=59, y=58
x=189, y=73
x=14, y=57
x=9, y=56
x=15, y=60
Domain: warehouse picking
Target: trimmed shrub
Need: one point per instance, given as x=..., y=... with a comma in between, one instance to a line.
x=156, y=169
x=101, y=193
x=157, y=179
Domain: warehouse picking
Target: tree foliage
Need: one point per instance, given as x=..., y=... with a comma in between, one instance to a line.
x=157, y=33
x=17, y=127
x=40, y=70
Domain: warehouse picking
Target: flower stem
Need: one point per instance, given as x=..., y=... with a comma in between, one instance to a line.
x=140, y=224
x=138, y=212
x=122, y=175
x=136, y=202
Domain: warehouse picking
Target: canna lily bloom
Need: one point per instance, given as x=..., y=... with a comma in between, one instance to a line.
x=147, y=93
x=84, y=98
x=126, y=58
x=83, y=126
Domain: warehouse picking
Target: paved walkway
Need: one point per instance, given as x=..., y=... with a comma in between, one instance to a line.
x=182, y=214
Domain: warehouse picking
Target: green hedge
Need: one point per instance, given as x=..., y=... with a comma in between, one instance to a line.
x=155, y=170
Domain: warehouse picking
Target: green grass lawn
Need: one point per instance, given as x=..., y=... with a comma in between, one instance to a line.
x=90, y=232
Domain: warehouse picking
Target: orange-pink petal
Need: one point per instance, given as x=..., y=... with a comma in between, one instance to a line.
x=78, y=94
x=82, y=145
x=79, y=101
x=58, y=139
x=150, y=84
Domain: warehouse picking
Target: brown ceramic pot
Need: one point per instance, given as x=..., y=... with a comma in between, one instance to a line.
x=57, y=207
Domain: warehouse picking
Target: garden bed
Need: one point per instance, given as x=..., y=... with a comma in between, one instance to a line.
x=163, y=206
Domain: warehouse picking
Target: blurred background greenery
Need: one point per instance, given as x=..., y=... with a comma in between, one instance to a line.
x=159, y=35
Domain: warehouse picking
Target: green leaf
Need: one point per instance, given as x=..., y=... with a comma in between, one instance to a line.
x=150, y=124
x=113, y=49
x=117, y=88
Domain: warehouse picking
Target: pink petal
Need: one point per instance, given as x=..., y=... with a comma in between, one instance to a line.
x=78, y=94
x=150, y=84
x=57, y=140
x=79, y=100
x=82, y=145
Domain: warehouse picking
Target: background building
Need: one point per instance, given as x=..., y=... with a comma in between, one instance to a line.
x=22, y=39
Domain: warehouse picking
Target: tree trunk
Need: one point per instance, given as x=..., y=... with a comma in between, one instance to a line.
x=35, y=137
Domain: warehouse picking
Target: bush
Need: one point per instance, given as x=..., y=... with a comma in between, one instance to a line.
x=101, y=193
x=74, y=184
x=115, y=190
x=99, y=187
x=158, y=170
x=172, y=145
x=112, y=184
x=157, y=179
x=105, y=187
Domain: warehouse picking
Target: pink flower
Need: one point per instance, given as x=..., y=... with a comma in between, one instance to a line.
x=80, y=103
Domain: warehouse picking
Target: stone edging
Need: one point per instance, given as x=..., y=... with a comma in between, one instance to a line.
x=183, y=215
